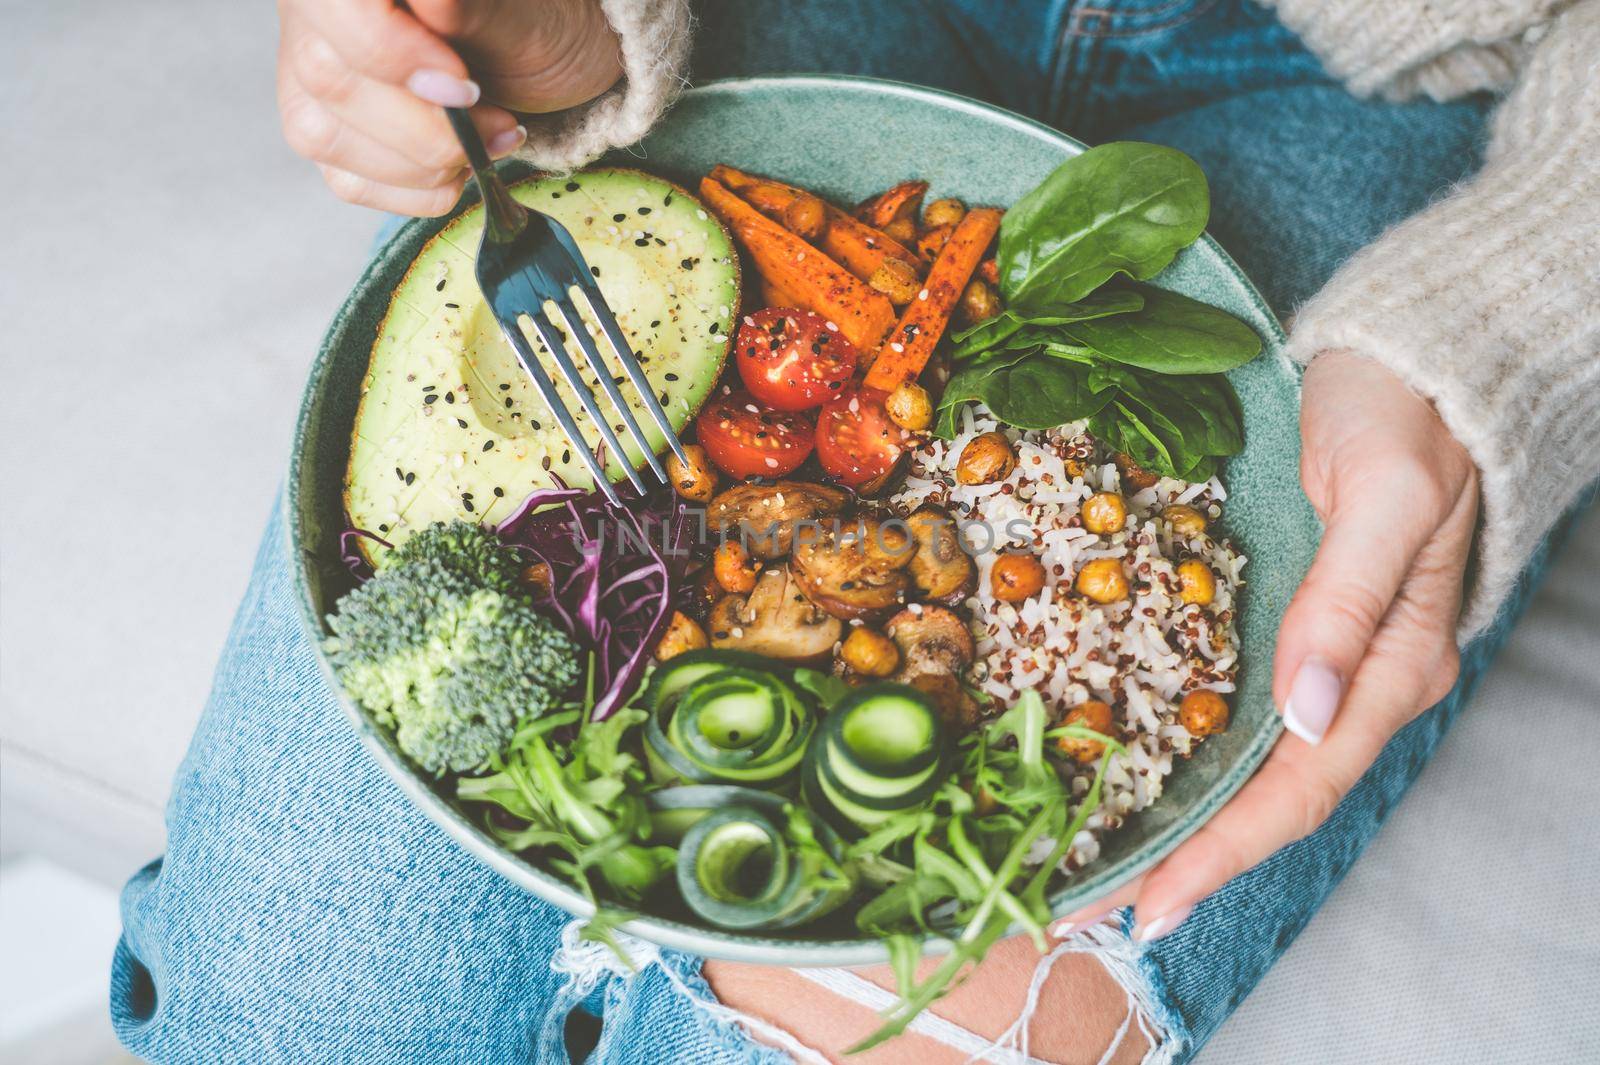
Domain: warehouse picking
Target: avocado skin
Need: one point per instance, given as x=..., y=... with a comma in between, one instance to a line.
x=450, y=427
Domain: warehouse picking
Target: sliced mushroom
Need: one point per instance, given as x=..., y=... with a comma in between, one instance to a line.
x=775, y=620
x=765, y=515
x=935, y=650
x=940, y=569
x=856, y=571
x=931, y=639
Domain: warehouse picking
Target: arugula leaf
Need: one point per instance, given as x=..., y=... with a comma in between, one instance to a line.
x=1170, y=334
x=1120, y=208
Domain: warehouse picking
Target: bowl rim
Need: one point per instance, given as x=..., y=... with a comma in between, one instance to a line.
x=1091, y=884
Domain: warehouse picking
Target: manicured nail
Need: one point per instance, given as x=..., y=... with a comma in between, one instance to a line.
x=1077, y=922
x=1313, y=700
x=446, y=90
x=1154, y=930
x=507, y=142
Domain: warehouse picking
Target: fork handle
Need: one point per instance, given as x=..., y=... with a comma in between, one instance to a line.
x=506, y=217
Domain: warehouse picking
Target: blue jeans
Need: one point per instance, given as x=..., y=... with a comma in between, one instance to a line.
x=306, y=912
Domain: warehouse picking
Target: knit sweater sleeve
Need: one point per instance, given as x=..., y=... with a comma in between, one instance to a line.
x=1488, y=304
x=655, y=38
x=1405, y=48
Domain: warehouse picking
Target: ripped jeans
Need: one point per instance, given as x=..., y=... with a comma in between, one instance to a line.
x=305, y=912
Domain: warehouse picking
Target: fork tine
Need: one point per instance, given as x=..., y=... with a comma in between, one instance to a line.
x=602, y=373
x=624, y=353
x=541, y=380
x=558, y=351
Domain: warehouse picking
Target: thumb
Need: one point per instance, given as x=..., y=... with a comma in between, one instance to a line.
x=1363, y=560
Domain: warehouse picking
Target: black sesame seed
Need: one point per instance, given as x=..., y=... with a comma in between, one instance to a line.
x=566, y=456
x=572, y=186
x=644, y=210
x=499, y=493
x=619, y=217
x=428, y=400
x=671, y=376
x=399, y=473
x=505, y=386
x=642, y=242
x=595, y=270
x=454, y=306
x=655, y=324
x=488, y=445
x=429, y=388
x=383, y=528
x=410, y=477
x=687, y=264
x=461, y=422
x=440, y=286
x=449, y=397
x=508, y=403
x=545, y=462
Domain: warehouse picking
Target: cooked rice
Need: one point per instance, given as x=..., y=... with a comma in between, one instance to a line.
x=1140, y=655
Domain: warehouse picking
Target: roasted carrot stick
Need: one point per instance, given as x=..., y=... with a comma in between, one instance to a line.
x=909, y=347
x=816, y=282
x=901, y=201
x=852, y=243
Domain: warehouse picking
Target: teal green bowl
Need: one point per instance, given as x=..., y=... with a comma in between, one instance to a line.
x=847, y=138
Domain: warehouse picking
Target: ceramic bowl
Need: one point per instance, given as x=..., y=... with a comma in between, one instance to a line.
x=847, y=138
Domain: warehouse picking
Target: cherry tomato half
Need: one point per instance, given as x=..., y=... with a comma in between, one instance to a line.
x=856, y=440
x=745, y=439
x=791, y=360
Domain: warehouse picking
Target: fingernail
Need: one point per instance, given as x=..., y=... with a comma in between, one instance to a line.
x=446, y=90
x=507, y=142
x=1153, y=930
x=1313, y=700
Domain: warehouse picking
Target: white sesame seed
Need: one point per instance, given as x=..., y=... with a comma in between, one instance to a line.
x=922, y=295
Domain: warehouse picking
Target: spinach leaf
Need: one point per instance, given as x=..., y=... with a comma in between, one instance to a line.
x=1120, y=208
x=1171, y=334
x=1041, y=393
x=1004, y=328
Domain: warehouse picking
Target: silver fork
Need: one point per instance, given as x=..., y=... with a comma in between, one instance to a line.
x=526, y=259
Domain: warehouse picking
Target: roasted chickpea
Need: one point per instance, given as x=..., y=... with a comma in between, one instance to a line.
x=538, y=578
x=1196, y=583
x=804, y=216
x=1184, y=520
x=869, y=652
x=682, y=635
x=1102, y=580
x=1014, y=578
x=1092, y=714
x=986, y=459
x=909, y=407
x=735, y=570
x=898, y=280
x=932, y=241
x=943, y=213
x=901, y=231
x=1133, y=473
x=978, y=303
x=1105, y=513
x=695, y=480
x=1203, y=713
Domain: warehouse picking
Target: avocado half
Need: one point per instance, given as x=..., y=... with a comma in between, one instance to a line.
x=449, y=424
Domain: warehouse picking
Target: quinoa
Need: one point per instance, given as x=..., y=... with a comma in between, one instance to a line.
x=1140, y=655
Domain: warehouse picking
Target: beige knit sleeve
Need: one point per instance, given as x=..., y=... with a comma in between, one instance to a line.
x=1406, y=48
x=655, y=54
x=1488, y=303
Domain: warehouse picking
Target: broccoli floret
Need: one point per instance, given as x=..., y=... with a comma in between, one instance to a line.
x=443, y=646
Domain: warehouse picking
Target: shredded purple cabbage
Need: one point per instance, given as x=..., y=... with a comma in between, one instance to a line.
x=351, y=555
x=614, y=570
